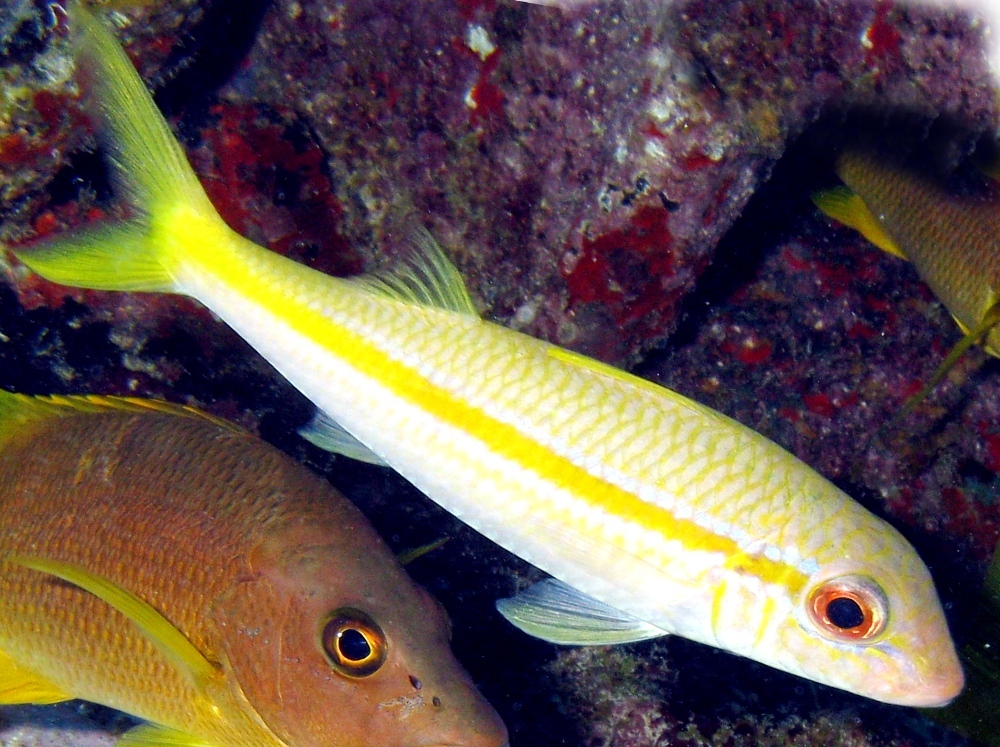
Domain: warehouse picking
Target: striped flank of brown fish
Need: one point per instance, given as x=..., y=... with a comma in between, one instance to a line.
x=167, y=564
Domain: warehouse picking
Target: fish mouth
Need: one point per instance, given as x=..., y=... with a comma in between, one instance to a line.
x=935, y=691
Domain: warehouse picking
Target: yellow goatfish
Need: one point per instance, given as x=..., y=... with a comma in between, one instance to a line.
x=953, y=242
x=170, y=565
x=656, y=514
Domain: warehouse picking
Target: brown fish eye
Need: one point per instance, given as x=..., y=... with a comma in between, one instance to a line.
x=849, y=608
x=354, y=643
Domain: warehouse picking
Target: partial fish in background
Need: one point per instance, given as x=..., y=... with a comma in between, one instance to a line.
x=654, y=514
x=953, y=242
x=172, y=566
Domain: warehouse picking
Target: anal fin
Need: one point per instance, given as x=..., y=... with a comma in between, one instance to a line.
x=19, y=686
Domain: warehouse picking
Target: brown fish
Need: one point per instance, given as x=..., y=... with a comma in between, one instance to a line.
x=953, y=242
x=167, y=564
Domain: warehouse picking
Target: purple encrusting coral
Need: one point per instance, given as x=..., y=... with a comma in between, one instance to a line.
x=581, y=167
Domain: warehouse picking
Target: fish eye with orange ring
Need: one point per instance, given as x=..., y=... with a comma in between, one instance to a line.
x=354, y=644
x=849, y=609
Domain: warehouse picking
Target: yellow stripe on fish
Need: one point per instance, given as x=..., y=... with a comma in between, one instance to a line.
x=653, y=513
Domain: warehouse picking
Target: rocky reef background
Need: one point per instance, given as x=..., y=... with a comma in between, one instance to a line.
x=630, y=179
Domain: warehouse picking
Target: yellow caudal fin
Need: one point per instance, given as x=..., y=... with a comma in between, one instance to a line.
x=20, y=686
x=169, y=207
x=160, y=631
x=844, y=206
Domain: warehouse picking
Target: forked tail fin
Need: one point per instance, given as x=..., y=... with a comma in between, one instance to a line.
x=171, y=214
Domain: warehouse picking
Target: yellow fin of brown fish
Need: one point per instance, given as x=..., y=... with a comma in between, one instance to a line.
x=154, y=735
x=844, y=206
x=20, y=686
x=407, y=557
x=972, y=336
x=160, y=631
x=18, y=410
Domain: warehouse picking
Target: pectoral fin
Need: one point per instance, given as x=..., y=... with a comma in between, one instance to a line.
x=153, y=735
x=844, y=206
x=327, y=434
x=972, y=336
x=558, y=613
x=20, y=686
x=160, y=631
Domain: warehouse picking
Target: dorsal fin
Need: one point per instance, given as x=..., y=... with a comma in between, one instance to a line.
x=424, y=276
x=19, y=410
x=160, y=631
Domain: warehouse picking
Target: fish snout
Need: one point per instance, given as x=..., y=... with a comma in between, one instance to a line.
x=936, y=688
x=469, y=725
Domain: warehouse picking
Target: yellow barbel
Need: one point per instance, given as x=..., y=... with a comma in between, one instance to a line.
x=656, y=514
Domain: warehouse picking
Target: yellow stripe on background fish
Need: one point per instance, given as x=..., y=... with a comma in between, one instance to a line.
x=953, y=242
x=655, y=514
x=168, y=564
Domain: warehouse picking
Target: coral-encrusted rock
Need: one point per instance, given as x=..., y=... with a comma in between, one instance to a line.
x=583, y=164
x=580, y=164
x=42, y=122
